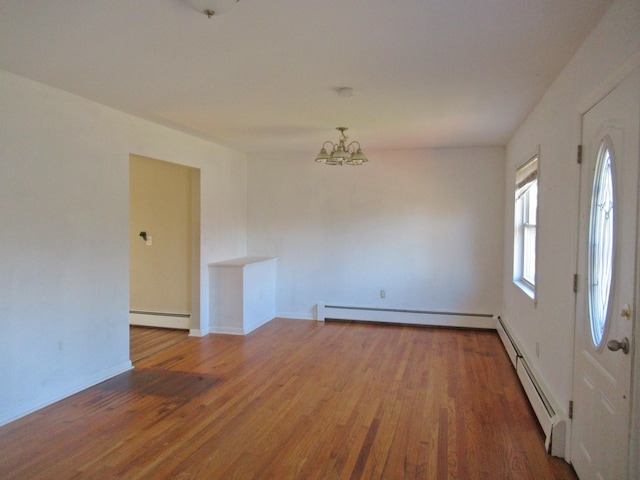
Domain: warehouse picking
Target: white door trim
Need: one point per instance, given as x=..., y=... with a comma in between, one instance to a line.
x=606, y=87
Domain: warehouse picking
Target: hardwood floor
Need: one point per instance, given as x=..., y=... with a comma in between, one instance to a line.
x=295, y=400
x=145, y=341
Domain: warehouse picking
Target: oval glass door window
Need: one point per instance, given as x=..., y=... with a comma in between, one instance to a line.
x=601, y=240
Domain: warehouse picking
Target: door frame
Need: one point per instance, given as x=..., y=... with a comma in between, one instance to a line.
x=615, y=79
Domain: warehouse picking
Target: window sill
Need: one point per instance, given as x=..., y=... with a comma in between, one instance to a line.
x=527, y=289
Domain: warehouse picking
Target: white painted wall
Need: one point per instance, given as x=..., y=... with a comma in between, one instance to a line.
x=425, y=226
x=555, y=126
x=64, y=242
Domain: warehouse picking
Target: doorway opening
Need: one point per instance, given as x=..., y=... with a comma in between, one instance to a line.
x=164, y=244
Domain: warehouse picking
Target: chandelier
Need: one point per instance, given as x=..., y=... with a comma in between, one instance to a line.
x=342, y=154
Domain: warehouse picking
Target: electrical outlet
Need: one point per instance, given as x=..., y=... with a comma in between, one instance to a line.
x=383, y=294
x=149, y=240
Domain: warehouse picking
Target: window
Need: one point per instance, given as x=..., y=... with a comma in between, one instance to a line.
x=601, y=229
x=526, y=213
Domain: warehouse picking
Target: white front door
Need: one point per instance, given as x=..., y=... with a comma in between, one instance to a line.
x=606, y=275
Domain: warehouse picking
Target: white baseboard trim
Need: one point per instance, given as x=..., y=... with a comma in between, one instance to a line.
x=405, y=316
x=296, y=316
x=162, y=320
x=13, y=414
x=225, y=330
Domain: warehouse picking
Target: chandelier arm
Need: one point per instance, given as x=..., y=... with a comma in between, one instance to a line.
x=333, y=145
x=351, y=147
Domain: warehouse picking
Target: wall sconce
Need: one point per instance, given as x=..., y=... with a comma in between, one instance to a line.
x=212, y=7
x=147, y=238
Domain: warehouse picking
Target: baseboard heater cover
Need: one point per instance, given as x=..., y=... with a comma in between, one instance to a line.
x=159, y=319
x=553, y=426
x=405, y=316
x=508, y=342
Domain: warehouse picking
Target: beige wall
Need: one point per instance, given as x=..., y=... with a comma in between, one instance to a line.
x=160, y=204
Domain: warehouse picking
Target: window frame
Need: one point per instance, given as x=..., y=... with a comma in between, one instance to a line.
x=525, y=220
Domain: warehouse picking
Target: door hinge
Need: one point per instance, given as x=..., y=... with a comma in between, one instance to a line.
x=570, y=409
x=579, y=156
x=575, y=283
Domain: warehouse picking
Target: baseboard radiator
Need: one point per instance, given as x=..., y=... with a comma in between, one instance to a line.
x=159, y=319
x=404, y=316
x=553, y=426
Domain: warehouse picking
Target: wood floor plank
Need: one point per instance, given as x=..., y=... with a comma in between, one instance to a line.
x=295, y=400
x=145, y=341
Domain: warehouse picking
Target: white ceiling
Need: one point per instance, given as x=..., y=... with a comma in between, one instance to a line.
x=262, y=77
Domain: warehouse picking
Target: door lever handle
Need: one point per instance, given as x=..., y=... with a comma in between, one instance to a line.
x=615, y=345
